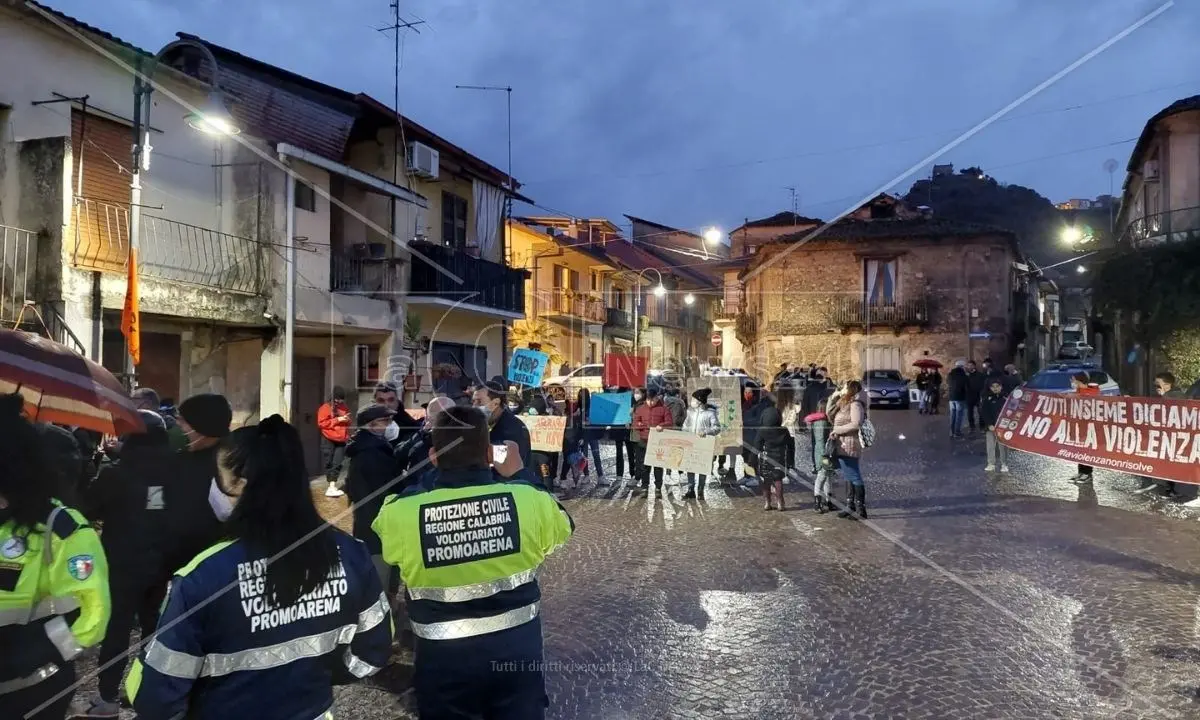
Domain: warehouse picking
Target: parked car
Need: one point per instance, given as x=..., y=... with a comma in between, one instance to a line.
x=563, y=387
x=886, y=387
x=1075, y=350
x=1057, y=378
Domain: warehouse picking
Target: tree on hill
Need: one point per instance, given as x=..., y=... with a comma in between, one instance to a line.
x=972, y=196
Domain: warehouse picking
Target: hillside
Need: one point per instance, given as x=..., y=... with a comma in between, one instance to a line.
x=971, y=196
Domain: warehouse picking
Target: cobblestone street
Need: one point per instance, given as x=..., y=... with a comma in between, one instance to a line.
x=1021, y=596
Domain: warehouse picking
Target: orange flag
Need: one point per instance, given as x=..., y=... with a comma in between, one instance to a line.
x=131, y=322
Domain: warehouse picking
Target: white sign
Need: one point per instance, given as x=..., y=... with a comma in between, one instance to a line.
x=678, y=450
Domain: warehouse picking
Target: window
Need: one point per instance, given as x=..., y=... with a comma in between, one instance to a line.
x=879, y=280
x=306, y=197
x=591, y=370
x=366, y=365
x=596, y=281
x=454, y=220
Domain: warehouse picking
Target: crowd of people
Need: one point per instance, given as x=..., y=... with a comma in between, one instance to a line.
x=247, y=601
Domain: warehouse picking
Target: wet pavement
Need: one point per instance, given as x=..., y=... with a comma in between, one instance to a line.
x=964, y=596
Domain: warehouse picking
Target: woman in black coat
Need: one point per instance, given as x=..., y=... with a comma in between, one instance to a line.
x=775, y=453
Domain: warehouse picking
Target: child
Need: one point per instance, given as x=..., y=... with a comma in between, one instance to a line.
x=701, y=419
x=990, y=408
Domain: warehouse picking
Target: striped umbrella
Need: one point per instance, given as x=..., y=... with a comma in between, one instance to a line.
x=63, y=387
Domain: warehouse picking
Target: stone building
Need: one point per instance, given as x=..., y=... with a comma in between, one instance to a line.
x=882, y=288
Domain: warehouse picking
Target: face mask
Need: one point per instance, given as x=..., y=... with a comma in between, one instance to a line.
x=391, y=432
x=695, y=403
x=638, y=396
x=221, y=504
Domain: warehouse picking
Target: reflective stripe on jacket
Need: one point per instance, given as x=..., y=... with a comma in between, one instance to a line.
x=54, y=599
x=469, y=551
x=223, y=650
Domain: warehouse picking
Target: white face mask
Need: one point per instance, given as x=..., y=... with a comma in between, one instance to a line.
x=221, y=504
x=694, y=403
x=392, y=432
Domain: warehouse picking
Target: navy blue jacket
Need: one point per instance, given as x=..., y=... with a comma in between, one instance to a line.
x=222, y=651
x=510, y=427
x=373, y=473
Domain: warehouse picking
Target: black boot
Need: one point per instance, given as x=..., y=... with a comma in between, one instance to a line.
x=851, y=508
x=819, y=504
x=861, y=491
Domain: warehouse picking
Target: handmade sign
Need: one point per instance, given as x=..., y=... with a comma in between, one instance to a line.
x=726, y=397
x=527, y=367
x=678, y=450
x=624, y=371
x=545, y=431
x=611, y=409
x=1151, y=437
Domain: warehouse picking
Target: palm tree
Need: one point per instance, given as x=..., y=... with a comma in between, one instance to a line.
x=539, y=333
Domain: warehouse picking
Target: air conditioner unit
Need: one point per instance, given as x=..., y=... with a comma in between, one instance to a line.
x=1150, y=171
x=421, y=160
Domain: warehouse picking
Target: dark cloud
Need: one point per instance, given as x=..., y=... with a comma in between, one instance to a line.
x=702, y=112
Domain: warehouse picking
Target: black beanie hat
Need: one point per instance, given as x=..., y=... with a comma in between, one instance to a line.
x=208, y=414
x=702, y=395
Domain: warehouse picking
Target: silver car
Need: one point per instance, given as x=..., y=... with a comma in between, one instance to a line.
x=886, y=388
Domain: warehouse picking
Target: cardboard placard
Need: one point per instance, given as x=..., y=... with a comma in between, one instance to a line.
x=611, y=409
x=545, y=431
x=678, y=450
x=726, y=397
x=527, y=367
x=625, y=371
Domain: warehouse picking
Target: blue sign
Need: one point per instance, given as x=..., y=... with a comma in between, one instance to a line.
x=980, y=335
x=527, y=367
x=611, y=409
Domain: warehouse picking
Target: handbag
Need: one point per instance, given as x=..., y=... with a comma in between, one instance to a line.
x=866, y=433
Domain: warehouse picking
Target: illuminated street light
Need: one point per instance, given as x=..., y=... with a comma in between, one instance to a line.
x=712, y=236
x=689, y=299
x=1072, y=235
x=659, y=290
x=1080, y=269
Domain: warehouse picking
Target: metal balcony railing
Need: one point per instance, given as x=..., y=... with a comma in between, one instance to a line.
x=1173, y=225
x=168, y=250
x=578, y=306
x=855, y=312
x=618, y=318
x=483, y=282
x=370, y=276
x=18, y=253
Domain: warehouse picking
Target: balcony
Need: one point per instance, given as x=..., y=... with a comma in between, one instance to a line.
x=574, y=307
x=856, y=312
x=364, y=275
x=617, y=318
x=18, y=258
x=694, y=322
x=479, y=282
x=167, y=250
x=1172, y=226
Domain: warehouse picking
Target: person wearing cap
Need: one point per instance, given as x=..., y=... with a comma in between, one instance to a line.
x=702, y=420
x=127, y=499
x=192, y=525
x=503, y=425
x=373, y=472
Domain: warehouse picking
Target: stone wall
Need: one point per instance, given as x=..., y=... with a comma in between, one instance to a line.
x=966, y=284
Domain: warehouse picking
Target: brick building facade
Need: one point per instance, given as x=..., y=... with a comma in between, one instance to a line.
x=883, y=288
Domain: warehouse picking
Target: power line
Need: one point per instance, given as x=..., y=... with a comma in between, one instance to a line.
x=864, y=146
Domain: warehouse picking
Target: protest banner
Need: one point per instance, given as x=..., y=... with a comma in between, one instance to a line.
x=611, y=409
x=726, y=397
x=624, y=371
x=545, y=431
x=678, y=450
x=1151, y=437
x=527, y=367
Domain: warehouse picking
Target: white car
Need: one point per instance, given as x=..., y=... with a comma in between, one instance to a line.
x=1075, y=350
x=565, y=387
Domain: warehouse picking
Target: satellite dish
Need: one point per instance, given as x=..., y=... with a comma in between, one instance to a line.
x=1110, y=166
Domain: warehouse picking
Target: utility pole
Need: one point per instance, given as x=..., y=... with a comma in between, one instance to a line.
x=795, y=205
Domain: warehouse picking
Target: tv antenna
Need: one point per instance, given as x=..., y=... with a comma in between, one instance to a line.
x=795, y=204
x=398, y=26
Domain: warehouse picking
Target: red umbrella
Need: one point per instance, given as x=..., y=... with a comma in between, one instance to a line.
x=927, y=363
x=63, y=387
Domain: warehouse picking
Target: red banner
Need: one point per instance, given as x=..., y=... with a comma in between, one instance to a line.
x=1151, y=437
x=625, y=371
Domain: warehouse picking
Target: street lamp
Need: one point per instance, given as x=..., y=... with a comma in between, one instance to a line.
x=689, y=299
x=213, y=119
x=712, y=236
x=659, y=291
x=1080, y=269
x=1071, y=235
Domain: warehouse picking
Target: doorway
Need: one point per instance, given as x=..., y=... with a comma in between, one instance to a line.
x=308, y=394
x=881, y=357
